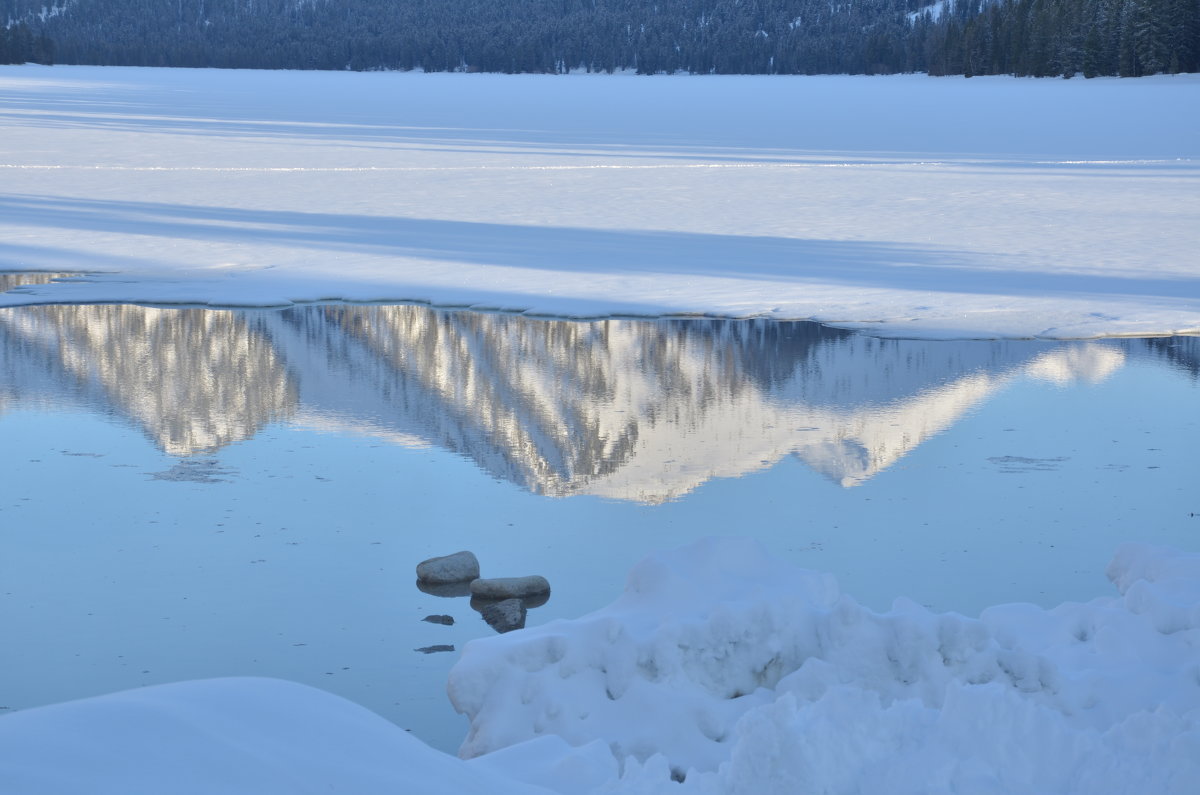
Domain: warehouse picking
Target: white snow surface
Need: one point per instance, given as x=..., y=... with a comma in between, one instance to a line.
x=913, y=206
x=743, y=674
x=238, y=735
x=720, y=666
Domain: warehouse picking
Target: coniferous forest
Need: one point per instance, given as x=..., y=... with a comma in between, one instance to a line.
x=960, y=37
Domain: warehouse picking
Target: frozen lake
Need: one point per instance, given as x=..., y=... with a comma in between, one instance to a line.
x=192, y=493
x=941, y=208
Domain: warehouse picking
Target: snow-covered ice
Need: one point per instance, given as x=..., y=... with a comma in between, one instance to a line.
x=719, y=670
x=912, y=205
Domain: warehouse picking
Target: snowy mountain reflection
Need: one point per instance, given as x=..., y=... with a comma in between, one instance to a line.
x=624, y=409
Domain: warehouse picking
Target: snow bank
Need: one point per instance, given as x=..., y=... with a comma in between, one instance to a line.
x=720, y=670
x=738, y=673
x=241, y=736
x=914, y=206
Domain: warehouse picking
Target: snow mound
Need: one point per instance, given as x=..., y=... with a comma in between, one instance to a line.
x=239, y=736
x=734, y=672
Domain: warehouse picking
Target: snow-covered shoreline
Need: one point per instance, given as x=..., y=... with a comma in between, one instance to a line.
x=720, y=670
x=906, y=205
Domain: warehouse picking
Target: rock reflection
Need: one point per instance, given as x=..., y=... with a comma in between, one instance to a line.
x=448, y=590
x=630, y=410
x=507, y=615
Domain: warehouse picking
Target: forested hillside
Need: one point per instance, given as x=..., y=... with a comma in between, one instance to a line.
x=1021, y=37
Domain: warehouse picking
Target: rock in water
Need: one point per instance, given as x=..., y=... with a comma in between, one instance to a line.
x=510, y=587
x=444, y=620
x=504, y=616
x=459, y=567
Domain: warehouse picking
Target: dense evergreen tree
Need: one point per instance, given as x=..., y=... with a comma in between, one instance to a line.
x=19, y=44
x=970, y=37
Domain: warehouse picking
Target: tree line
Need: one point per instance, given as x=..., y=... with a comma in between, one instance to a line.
x=966, y=37
x=20, y=44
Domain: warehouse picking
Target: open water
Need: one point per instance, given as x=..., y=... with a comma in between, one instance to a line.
x=189, y=493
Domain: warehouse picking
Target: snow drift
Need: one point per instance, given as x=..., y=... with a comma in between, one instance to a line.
x=243, y=735
x=734, y=672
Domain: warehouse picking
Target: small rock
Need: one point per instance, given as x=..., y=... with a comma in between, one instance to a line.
x=504, y=616
x=445, y=620
x=510, y=587
x=459, y=567
x=434, y=649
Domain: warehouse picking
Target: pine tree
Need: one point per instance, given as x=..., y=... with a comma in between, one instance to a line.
x=1149, y=37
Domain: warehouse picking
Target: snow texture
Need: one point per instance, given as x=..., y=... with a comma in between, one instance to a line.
x=720, y=670
x=238, y=736
x=739, y=673
x=909, y=205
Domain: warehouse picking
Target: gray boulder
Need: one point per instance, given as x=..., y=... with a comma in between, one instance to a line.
x=459, y=567
x=510, y=587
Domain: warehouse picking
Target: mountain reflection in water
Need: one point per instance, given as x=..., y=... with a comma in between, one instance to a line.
x=638, y=410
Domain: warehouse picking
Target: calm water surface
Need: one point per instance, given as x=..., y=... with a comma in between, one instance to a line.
x=191, y=493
